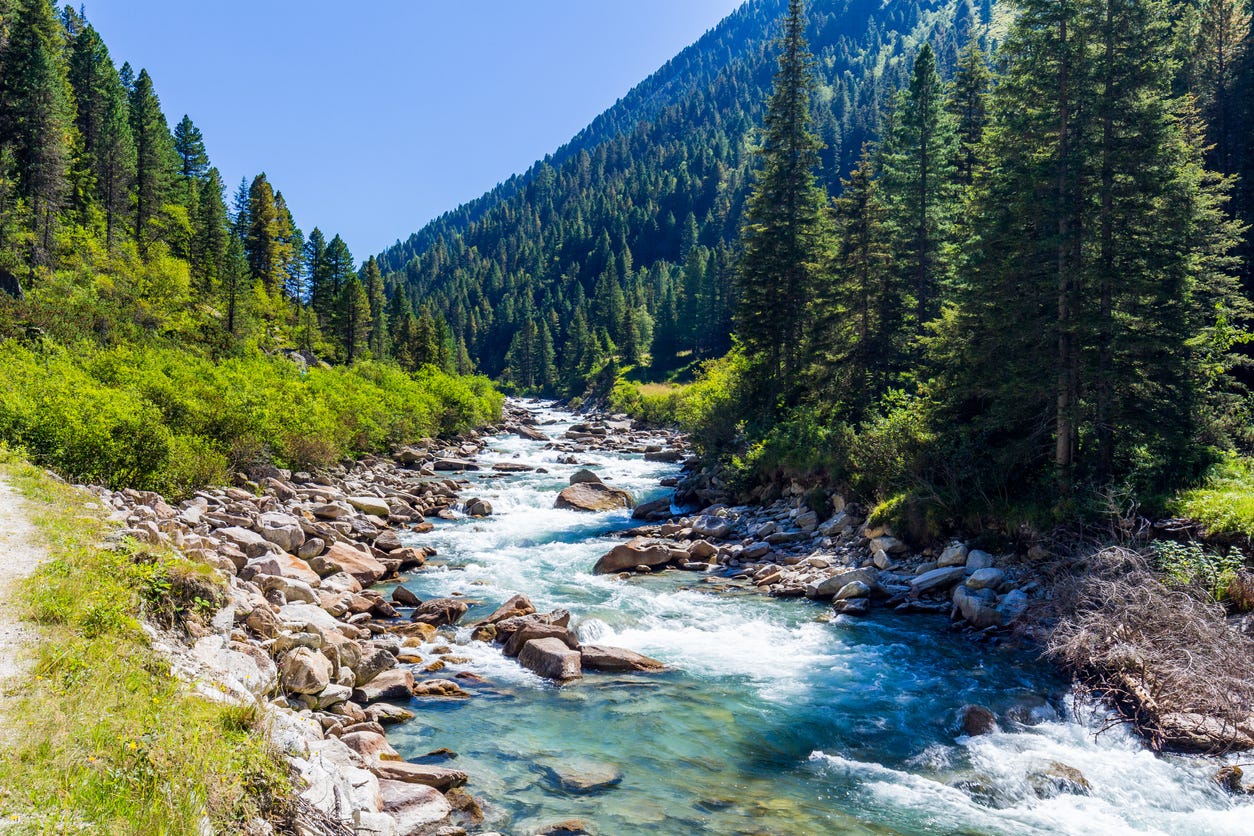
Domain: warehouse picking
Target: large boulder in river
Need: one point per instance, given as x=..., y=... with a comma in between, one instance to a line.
x=829, y=586
x=413, y=806
x=519, y=605
x=342, y=557
x=657, y=509
x=639, y=551
x=396, y=684
x=618, y=659
x=594, y=496
x=440, y=611
x=585, y=477
x=551, y=659
x=419, y=773
x=516, y=642
x=979, y=606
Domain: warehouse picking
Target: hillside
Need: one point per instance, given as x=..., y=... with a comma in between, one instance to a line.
x=620, y=244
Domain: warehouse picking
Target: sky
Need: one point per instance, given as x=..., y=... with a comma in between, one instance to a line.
x=374, y=117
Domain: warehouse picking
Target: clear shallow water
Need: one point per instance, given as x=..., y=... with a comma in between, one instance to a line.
x=771, y=722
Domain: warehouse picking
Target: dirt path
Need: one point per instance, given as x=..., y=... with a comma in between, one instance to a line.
x=20, y=555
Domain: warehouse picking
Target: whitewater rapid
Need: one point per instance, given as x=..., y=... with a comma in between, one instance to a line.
x=774, y=719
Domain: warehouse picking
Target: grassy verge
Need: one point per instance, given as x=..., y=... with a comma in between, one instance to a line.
x=1225, y=504
x=106, y=740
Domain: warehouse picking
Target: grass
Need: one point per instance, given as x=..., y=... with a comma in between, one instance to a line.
x=1225, y=504
x=105, y=739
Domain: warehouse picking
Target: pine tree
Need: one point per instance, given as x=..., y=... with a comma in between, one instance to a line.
x=372, y=279
x=236, y=285
x=329, y=281
x=36, y=127
x=189, y=144
x=968, y=105
x=1221, y=47
x=154, y=155
x=354, y=316
x=920, y=177
x=261, y=243
x=785, y=231
x=212, y=235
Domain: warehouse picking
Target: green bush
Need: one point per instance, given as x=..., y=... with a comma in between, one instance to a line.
x=1224, y=505
x=1190, y=563
x=171, y=420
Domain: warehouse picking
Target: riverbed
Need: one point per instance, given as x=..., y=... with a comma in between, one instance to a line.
x=775, y=718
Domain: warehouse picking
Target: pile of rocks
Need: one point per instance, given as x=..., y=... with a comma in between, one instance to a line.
x=302, y=634
x=786, y=549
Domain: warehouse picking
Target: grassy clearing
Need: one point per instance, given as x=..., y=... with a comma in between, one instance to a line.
x=107, y=741
x=1225, y=504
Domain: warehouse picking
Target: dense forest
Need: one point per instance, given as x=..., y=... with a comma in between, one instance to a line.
x=157, y=334
x=619, y=249
x=962, y=257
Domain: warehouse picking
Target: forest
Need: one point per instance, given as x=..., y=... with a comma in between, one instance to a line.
x=966, y=259
x=159, y=337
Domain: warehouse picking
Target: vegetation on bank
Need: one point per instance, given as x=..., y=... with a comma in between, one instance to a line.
x=104, y=738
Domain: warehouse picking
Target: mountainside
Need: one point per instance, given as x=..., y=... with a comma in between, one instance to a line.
x=620, y=244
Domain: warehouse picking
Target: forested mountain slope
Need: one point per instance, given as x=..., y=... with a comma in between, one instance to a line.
x=620, y=245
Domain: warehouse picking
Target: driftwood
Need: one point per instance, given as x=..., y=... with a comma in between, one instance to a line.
x=1162, y=655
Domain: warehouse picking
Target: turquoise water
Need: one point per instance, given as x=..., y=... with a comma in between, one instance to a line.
x=773, y=719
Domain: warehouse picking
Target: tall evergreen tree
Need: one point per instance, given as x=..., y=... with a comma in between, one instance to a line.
x=154, y=156
x=212, y=235
x=968, y=105
x=354, y=319
x=786, y=224
x=372, y=279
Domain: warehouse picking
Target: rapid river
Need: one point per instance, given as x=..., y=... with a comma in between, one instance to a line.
x=773, y=720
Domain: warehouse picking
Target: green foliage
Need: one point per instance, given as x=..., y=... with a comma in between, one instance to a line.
x=1224, y=504
x=1191, y=563
x=170, y=420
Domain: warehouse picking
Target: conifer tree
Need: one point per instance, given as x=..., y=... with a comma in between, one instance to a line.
x=154, y=155
x=212, y=235
x=372, y=279
x=36, y=119
x=920, y=176
x=354, y=316
x=329, y=282
x=786, y=225
x=261, y=243
x=968, y=105
x=189, y=144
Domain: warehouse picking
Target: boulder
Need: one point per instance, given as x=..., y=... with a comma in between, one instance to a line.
x=636, y=552
x=657, y=509
x=516, y=642
x=977, y=560
x=829, y=586
x=387, y=541
x=249, y=542
x=439, y=688
x=419, y=773
x=413, y=806
x=330, y=510
x=954, y=555
x=370, y=745
x=283, y=530
x=937, y=579
x=977, y=720
x=304, y=671
x=888, y=545
x=853, y=589
x=517, y=606
x=852, y=606
x=585, y=477
x=1058, y=779
x=665, y=456
x=342, y=557
x=440, y=611
x=977, y=606
x=617, y=659
x=593, y=496
x=454, y=465
x=530, y=433
x=701, y=550
x=715, y=528
x=340, y=583
x=294, y=591
x=405, y=597
x=479, y=508
x=372, y=505
x=551, y=659
x=396, y=685
x=584, y=777
x=986, y=579
x=312, y=547
x=1012, y=605
x=373, y=663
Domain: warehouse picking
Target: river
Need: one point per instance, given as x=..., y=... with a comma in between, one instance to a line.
x=773, y=719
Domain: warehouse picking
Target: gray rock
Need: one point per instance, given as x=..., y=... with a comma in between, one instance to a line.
x=594, y=496
x=1012, y=605
x=551, y=659
x=979, y=560
x=312, y=547
x=373, y=663
x=978, y=607
x=304, y=671
x=396, y=684
x=584, y=777
x=937, y=579
x=953, y=555
x=617, y=659
x=371, y=505
x=1058, y=779
x=418, y=773
x=406, y=598
x=890, y=545
x=986, y=579
x=852, y=606
x=585, y=477
x=440, y=611
x=414, y=806
x=829, y=586
x=853, y=589
x=283, y=530
x=636, y=552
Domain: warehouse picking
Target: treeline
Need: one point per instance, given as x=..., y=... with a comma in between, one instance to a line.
x=93, y=183
x=620, y=248
x=1028, y=292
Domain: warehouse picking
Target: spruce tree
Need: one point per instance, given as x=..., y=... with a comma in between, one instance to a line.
x=261, y=242
x=189, y=144
x=968, y=105
x=786, y=225
x=154, y=156
x=372, y=279
x=212, y=235
x=354, y=317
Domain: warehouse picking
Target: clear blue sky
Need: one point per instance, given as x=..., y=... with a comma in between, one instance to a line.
x=374, y=117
